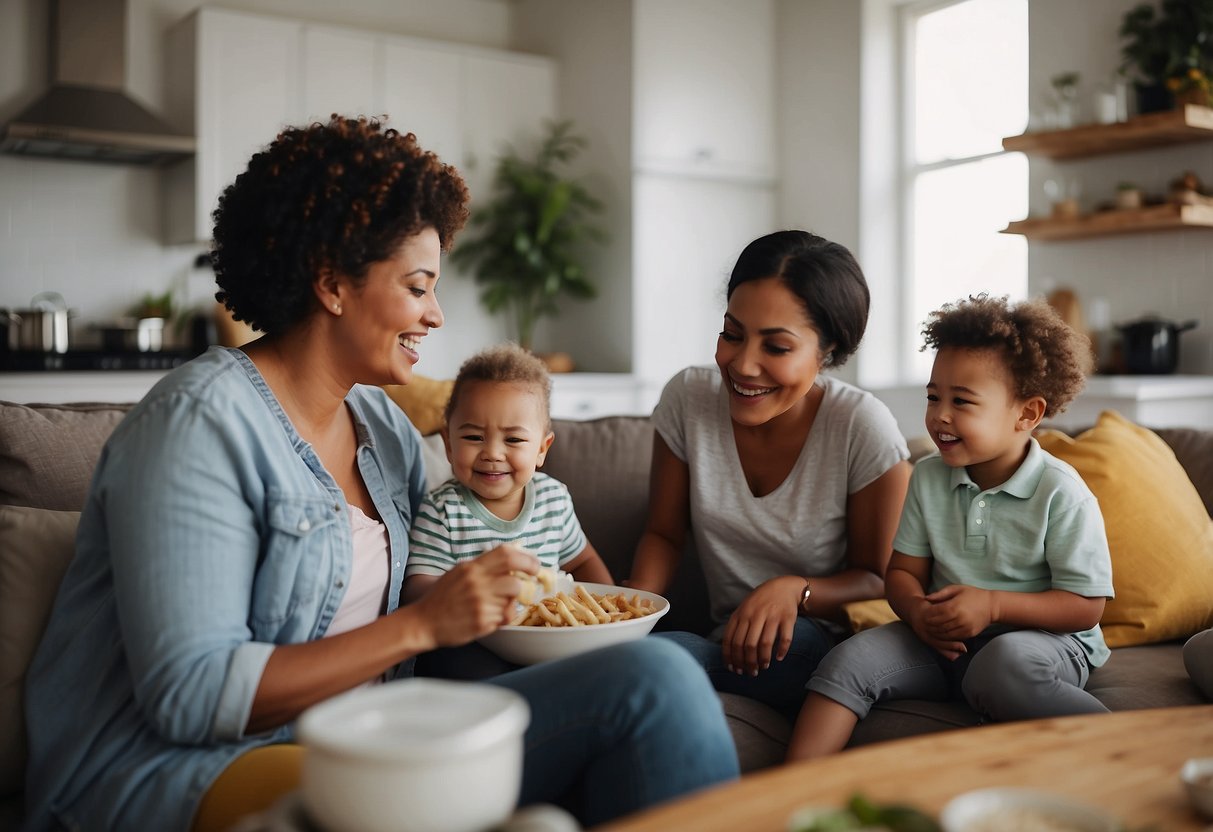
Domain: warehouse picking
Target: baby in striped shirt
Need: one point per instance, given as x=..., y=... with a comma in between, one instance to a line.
x=497, y=434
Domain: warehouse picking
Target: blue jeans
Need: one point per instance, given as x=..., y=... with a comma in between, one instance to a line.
x=620, y=729
x=782, y=685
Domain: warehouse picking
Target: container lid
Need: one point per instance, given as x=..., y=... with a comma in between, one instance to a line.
x=413, y=719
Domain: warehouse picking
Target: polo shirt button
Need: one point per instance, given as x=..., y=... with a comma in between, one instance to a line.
x=981, y=503
x=340, y=583
x=397, y=564
x=304, y=525
x=978, y=521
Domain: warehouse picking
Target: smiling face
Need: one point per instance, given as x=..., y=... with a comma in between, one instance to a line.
x=388, y=314
x=974, y=417
x=496, y=436
x=769, y=352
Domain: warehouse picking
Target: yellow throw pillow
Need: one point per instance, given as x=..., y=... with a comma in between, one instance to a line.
x=422, y=400
x=1159, y=533
x=863, y=615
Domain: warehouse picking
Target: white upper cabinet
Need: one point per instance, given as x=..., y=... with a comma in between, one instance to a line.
x=505, y=102
x=421, y=95
x=341, y=73
x=236, y=79
x=234, y=83
x=702, y=106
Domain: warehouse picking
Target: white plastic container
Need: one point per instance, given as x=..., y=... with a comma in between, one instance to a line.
x=416, y=755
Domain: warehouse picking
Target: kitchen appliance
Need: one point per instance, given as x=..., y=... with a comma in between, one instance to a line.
x=87, y=113
x=1150, y=345
x=41, y=328
x=134, y=335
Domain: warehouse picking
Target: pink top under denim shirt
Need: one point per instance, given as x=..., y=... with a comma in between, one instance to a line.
x=211, y=533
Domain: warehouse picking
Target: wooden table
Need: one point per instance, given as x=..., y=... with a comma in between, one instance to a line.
x=1125, y=762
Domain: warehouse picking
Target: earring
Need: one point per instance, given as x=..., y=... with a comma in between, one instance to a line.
x=337, y=308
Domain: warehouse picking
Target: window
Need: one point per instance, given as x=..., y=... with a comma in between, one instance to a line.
x=965, y=66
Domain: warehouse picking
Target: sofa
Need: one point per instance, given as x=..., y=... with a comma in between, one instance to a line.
x=47, y=453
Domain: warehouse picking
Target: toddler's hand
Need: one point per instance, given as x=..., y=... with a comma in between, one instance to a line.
x=951, y=649
x=959, y=612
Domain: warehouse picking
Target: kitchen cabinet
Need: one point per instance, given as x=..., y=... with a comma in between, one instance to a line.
x=1189, y=123
x=341, y=73
x=236, y=79
x=595, y=395
x=702, y=106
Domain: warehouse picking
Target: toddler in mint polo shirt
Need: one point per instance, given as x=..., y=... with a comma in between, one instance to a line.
x=1000, y=568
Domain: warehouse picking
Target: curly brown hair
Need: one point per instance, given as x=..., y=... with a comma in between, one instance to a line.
x=1045, y=356
x=341, y=196
x=508, y=363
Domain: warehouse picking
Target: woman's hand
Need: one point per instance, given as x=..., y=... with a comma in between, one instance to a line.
x=760, y=630
x=475, y=598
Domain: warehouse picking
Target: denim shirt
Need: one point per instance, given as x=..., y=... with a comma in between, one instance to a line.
x=211, y=533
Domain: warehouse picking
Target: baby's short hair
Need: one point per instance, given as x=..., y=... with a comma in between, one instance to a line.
x=506, y=362
x=1045, y=356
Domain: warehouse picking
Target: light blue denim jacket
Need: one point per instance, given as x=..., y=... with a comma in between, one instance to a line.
x=211, y=533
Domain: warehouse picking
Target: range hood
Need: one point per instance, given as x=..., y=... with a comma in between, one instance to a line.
x=87, y=113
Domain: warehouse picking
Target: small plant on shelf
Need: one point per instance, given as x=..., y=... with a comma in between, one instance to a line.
x=530, y=235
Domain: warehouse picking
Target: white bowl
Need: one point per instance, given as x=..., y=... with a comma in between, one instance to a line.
x=416, y=755
x=531, y=645
x=1011, y=809
x=1197, y=777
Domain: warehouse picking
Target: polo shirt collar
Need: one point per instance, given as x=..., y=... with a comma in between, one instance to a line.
x=1022, y=483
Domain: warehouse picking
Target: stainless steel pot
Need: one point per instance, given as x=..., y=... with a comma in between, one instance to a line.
x=42, y=327
x=1150, y=346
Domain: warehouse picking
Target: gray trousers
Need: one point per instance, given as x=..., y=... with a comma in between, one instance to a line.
x=1198, y=659
x=1019, y=674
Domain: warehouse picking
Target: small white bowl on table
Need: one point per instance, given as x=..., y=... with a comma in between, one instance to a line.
x=415, y=755
x=1020, y=810
x=1197, y=777
x=532, y=645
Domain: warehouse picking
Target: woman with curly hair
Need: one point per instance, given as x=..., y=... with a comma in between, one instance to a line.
x=242, y=548
x=1000, y=566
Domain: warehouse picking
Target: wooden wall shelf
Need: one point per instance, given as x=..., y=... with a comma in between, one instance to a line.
x=1189, y=123
x=1125, y=221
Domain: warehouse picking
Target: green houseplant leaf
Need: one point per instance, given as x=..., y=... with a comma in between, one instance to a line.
x=528, y=239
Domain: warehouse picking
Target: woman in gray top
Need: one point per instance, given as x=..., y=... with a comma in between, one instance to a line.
x=790, y=481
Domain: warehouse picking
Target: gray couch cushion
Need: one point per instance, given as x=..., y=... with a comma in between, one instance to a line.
x=35, y=548
x=1194, y=450
x=48, y=452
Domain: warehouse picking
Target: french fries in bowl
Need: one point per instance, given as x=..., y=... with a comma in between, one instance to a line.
x=568, y=623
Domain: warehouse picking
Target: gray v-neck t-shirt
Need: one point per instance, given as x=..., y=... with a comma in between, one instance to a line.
x=800, y=527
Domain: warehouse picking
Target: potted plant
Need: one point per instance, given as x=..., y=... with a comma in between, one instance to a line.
x=1128, y=195
x=1169, y=52
x=530, y=235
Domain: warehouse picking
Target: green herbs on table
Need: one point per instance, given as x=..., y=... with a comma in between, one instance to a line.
x=862, y=814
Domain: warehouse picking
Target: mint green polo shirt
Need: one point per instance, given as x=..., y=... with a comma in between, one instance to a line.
x=1039, y=530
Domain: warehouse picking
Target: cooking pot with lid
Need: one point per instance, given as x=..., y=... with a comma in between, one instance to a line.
x=42, y=327
x=1150, y=345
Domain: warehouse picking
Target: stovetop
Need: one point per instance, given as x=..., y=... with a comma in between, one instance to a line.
x=78, y=360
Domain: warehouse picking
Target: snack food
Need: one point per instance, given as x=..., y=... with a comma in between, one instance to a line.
x=539, y=585
x=583, y=608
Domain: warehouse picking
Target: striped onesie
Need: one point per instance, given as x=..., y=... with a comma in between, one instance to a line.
x=452, y=525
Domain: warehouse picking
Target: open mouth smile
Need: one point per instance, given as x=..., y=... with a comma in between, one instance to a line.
x=751, y=392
